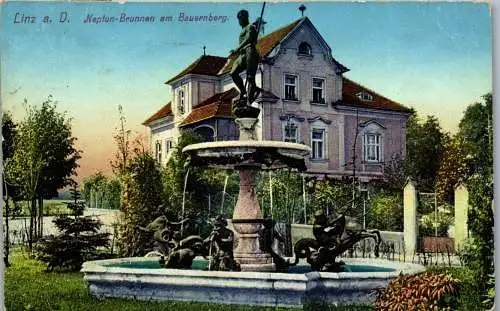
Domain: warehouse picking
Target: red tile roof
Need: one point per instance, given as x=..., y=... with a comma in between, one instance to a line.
x=165, y=111
x=265, y=44
x=351, y=89
x=218, y=105
x=205, y=65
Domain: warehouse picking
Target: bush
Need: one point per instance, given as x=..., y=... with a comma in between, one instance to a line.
x=78, y=241
x=141, y=204
x=420, y=292
x=444, y=219
x=386, y=213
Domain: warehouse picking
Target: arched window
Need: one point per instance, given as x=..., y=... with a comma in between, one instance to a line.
x=206, y=132
x=304, y=49
x=181, y=102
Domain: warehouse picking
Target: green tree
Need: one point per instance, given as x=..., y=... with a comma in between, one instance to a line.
x=476, y=130
x=79, y=239
x=386, y=212
x=25, y=167
x=142, y=197
x=394, y=176
x=10, y=191
x=424, y=149
x=451, y=169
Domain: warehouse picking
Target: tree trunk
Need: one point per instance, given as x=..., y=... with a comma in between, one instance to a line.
x=40, y=217
x=7, y=237
x=32, y=225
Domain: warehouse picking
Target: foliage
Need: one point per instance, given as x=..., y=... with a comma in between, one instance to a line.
x=55, y=143
x=76, y=206
x=476, y=129
x=468, y=287
x=443, y=221
x=122, y=139
x=480, y=223
x=386, y=212
x=489, y=301
x=209, y=184
x=78, y=241
x=100, y=191
x=394, y=173
x=424, y=150
x=287, y=195
x=451, y=168
x=423, y=292
x=141, y=203
x=174, y=174
x=332, y=194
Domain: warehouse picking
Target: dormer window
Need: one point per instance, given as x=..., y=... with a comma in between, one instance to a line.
x=181, y=102
x=364, y=96
x=304, y=49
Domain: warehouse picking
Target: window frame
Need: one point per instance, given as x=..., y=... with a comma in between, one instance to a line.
x=158, y=151
x=322, y=101
x=308, y=47
x=182, y=101
x=296, y=85
x=169, y=145
x=365, y=96
x=315, y=140
x=294, y=124
x=376, y=146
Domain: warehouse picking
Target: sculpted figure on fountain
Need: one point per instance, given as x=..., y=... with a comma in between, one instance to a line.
x=331, y=239
x=220, y=243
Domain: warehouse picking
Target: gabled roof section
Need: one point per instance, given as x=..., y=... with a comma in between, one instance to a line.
x=164, y=112
x=218, y=105
x=205, y=65
x=351, y=89
x=266, y=43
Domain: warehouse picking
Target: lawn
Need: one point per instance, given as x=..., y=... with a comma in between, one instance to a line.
x=28, y=287
x=53, y=207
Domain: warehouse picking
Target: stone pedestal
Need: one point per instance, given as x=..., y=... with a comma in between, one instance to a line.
x=247, y=217
x=247, y=221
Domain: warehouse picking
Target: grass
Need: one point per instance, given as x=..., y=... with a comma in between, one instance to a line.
x=28, y=287
x=50, y=208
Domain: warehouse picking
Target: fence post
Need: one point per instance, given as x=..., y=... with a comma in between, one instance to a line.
x=410, y=225
x=461, y=209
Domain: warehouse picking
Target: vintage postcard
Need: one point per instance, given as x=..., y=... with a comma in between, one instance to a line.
x=226, y=156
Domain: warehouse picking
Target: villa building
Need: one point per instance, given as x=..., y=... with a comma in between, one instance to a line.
x=306, y=100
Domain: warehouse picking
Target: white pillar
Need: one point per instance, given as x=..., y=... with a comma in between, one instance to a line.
x=461, y=210
x=410, y=225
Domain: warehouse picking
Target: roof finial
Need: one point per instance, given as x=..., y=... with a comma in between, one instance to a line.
x=204, y=47
x=302, y=8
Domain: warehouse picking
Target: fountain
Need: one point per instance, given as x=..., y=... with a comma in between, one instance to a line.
x=248, y=271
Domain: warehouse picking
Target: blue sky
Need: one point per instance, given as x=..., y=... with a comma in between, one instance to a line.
x=435, y=57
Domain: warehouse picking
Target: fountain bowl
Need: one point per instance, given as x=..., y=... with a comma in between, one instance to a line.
x=257, y=154
x=123, y=278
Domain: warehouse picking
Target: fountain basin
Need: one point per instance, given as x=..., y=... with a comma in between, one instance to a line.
x=122, y=278
x=259, y=154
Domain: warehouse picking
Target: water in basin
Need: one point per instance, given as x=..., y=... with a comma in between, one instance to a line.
x=200, y=264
